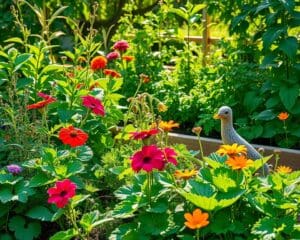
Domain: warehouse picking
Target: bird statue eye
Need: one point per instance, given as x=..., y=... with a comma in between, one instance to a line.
x=226, y=112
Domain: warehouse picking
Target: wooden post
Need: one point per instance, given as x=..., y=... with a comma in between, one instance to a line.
x=205, y=36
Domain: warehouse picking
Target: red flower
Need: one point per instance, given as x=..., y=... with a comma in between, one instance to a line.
x=94, y=104
x=143, y=134
x=128, y=58
x=113, y=55
x=148, y=158
x=170, y=155
x=61, y=193
x=112, y=73
x=47, y=100
x=73, y=136
x=98, y=62
x=121, y=46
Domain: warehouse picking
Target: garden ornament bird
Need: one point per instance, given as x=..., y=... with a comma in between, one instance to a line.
x=230, y=136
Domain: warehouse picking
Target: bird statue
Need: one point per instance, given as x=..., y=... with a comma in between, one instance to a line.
x=230, y=136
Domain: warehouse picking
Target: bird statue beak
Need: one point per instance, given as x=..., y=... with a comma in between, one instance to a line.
x=217, y=116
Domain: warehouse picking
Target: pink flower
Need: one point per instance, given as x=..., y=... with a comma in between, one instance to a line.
x=170, y=155
x=143, y=134
x=121, y=46
x=148, y=158
x=94, y=104
x=113, y=55
x=46, y=96
x=61, y=193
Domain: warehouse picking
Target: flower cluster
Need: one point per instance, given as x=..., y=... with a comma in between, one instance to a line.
x=236, y=156
x=151, y=157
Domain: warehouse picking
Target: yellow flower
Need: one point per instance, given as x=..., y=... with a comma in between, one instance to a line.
x=167, y=126
x=231, y=150
x=196, y=220
x=283, y=116
x=185, y=174
x=284, y=169
x=162, y=107
x=239, y=162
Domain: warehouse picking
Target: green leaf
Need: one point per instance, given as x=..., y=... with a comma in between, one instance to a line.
x=65, y=235
x=271, y=35
x=15, y=40
x=40, y=180
x=79, y=198
x=9, y=179
x=53, y=68
x=289, y=46
x=24, y=230
x=84, y=153
x=265, y=115
x=212, y=163
x=252, y=100
x=23, y=82
x=40, y=212
x=74, y=168
x=289, y=95
x=181, y=13
x=203, y=189
x=21, y=60
x=197, y=8
x=257, y=164
x=6, y=236
x=154, y=227
x=88, y=219
x=6, y=194
x=23, y=191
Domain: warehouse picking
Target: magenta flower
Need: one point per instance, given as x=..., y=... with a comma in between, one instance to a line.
x=62, y=192
x=170, y=155
x=94, y=104
x=113, y=55
x=121, y=46
x=14, y=168
x=143, y=134
x=148, y=158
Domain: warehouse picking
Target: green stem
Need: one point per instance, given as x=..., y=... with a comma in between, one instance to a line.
x=285, y=132
x=149, y=185
x=197, y=234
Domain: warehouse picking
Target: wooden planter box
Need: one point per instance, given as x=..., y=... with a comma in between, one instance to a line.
x=288, y=157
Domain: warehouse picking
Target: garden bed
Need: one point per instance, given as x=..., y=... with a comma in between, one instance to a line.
x=288, y=157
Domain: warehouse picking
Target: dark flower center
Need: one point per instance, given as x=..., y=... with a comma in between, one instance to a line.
x=73, y=133
x=63, y=193
x=146, y=159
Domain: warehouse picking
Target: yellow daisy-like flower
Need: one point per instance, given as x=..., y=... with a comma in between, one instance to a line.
x=185, y=174
x=162, y=107
x=168, y=126
x=231, y=150
x=239, y=162
x=284, y=169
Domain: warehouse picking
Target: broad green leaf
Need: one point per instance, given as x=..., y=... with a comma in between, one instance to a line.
x=21, y=60
x=289, y=46
x=74, y=167
x=9, y=179
x=271, y=35
x=23, y=191
x=40, y=212
x=6, y=194
x=197, y=8
x=24, y=230
x=212, y=163
x=203, y=189
x=79, y=198
x=252, y=100
x=156, y=227
x=88, y=219
x=53, y=68
x=257, y=164
x=84, y=153
x=265, y=115
x=65, y=235
x=23, y=82
x=40, y=180
x=181, y=13
x=289, y=95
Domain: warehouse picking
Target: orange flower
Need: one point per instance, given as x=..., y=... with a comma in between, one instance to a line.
x=168, y=126
x=283, y=169
x=239, y=162
x=231, y=150
x=98, y=62
x=185, y=174
x=196, y=220
x=47, y=100
x=283, y=116
x=197, y=130
x=145, y=78
x=112, y=73
x=73, y=136
x=128, y=58
x=161, y=107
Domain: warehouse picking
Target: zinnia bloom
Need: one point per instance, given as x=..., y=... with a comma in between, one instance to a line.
x=47, y=100
x=168, y=126
x=283, y=116
x=94, y=104
x=148, y=158
x=143, y=134
x=121, y=46
x=170, y=155
x=196, y=220
x=161, y=107
x=61, y=193
x=128, y=58
x=73, y=136
x=232, y=150
x=14, y=168
x=239, y=162
x=284, y=169
x=98, y=62
x=112, y=73
x=113, y=55
x=185, y=174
